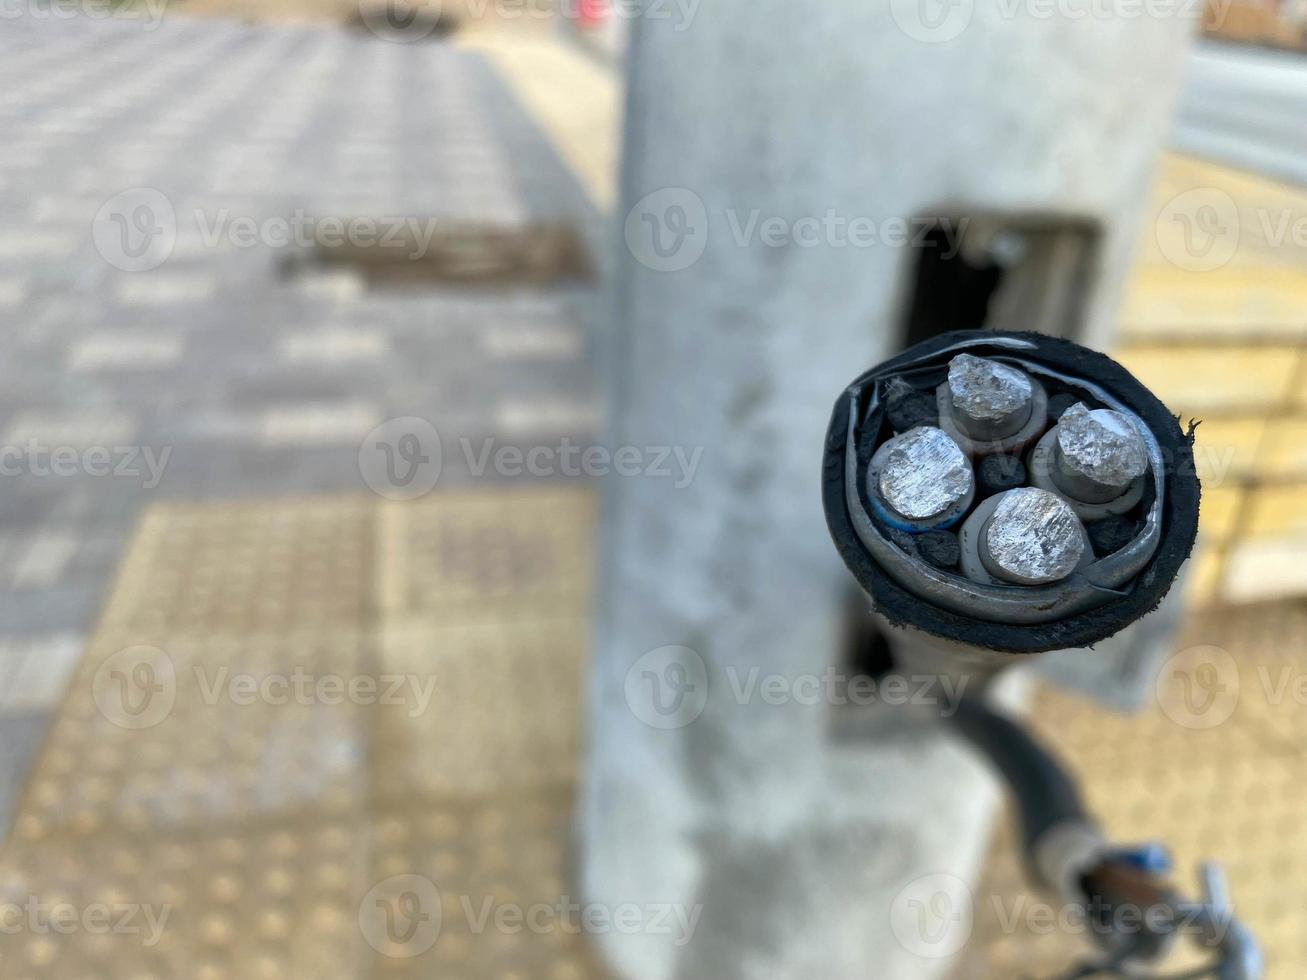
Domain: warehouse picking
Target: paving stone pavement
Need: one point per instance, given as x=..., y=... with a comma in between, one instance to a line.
x=260, y=388
x=226, y=368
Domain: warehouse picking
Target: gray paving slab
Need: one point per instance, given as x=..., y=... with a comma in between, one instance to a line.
x=20, y=738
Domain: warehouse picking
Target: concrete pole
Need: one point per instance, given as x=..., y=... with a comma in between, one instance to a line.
x=738, y=323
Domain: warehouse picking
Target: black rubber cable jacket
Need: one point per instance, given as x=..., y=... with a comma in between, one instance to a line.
x=1044, y=792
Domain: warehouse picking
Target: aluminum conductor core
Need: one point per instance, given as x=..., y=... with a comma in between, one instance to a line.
x=925, y=474
x=1098, y=454
x=1035, y=567
x=1033, y=538
x=990, y=399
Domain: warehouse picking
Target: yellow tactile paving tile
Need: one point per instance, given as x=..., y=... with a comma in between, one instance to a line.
x=576, y=101
x=278, y=902
x=293, y=11
x=1265, y=569
x=1199, y=381
x=1162, y=303
x=457, y=558
x=1285, y=455
x=504, y=709
x=451, y=888
x=266, y=823
x=1300, y=387
x=192, y=730
x=1211, y=232
x=1179, y=173
x=1202, y=579
x=1226, y=449
x=246, y=567
x=1248, y=221
x=1215, y=319
x=498, y=872
x=1277, y=510
x=1218, y=513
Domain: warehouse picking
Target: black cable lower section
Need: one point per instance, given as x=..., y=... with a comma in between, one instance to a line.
x=1044, y=793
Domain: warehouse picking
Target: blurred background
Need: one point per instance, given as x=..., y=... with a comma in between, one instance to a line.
x=305, y=305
